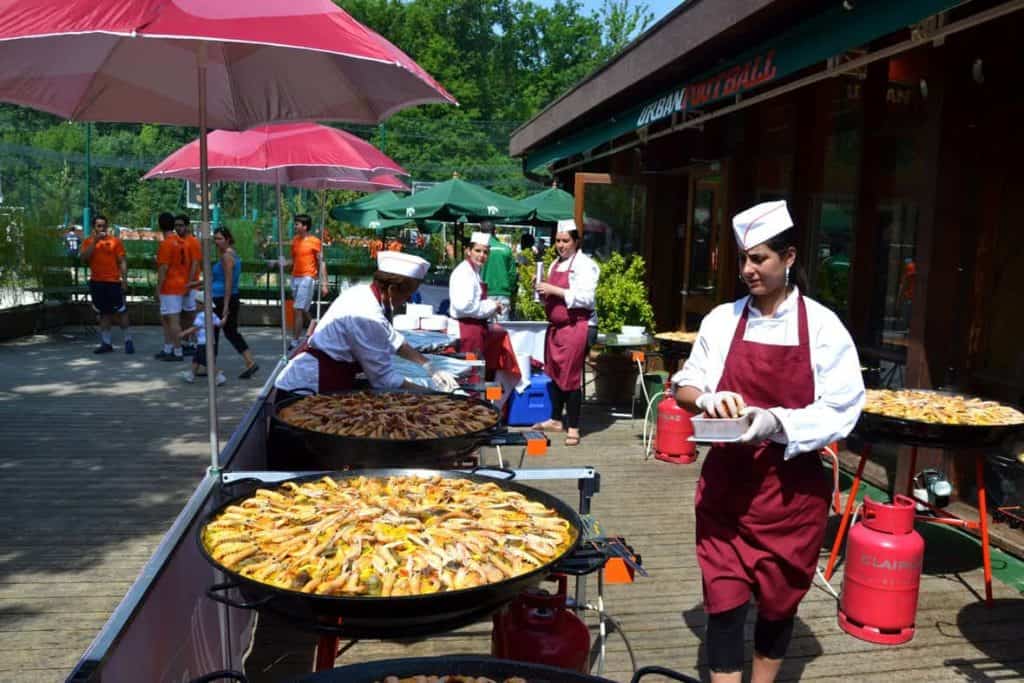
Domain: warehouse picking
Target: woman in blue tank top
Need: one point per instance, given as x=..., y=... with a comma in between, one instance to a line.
x=224, y=287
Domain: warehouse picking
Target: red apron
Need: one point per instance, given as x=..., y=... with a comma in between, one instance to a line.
x=566, y=341
x=761, y=518
x=489, y=341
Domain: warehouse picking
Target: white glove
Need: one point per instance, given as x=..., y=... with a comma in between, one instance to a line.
x=444, y=381
x=763, y=425
x=721, y=403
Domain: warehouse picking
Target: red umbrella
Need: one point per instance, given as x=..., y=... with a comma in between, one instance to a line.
x=296, y=154
x=139, y=60
x=230, y=63
x=305, y=155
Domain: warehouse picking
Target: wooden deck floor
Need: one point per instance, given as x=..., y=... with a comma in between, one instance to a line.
x=98, y=454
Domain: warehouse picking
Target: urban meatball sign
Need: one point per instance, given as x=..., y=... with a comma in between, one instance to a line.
x=727, y=83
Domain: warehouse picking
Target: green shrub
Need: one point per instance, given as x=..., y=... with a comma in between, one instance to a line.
x=622, y=297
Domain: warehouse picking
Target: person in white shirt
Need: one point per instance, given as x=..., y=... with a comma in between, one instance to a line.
x=356, y=335
x=198, y=329
x=572, y=323
x=467, y=292
x=787, y=364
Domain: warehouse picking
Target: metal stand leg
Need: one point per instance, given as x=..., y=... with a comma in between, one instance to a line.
x=910, y=473
x=326, y=653
x=986, y=552
x=847, y=511
x=606, y=627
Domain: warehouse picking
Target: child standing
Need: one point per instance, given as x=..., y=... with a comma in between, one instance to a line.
x=198, y=328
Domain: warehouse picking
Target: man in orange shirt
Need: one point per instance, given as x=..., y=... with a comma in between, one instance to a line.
x=195, y=256
x=172, y=263
x=108, y=281
x=307, y=264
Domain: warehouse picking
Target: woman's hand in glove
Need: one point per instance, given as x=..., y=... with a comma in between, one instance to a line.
x=444, y=381
x=721, y=404
x=763, y=425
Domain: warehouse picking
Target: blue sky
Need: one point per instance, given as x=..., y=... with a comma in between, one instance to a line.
x=659, y=7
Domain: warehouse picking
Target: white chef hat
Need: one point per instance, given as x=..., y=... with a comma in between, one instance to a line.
x=480, y=238
x=402, y=264
x=761, y=223
x=566, y=224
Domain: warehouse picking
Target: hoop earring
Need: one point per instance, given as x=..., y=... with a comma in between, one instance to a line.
x=787, y=276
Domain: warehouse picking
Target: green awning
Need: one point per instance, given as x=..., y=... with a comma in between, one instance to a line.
x=831, y=32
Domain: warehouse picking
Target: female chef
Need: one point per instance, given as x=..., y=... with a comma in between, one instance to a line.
x=787, y=363
x=569, y=304
x=467, y=293
x=356, y=335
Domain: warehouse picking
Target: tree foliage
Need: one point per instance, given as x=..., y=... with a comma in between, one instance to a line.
x=502, y=59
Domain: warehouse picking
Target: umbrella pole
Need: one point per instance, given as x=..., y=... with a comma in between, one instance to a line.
x=211, y=375
x=280, y=275
x=323, y=234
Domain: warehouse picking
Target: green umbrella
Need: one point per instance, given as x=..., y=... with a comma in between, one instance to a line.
x=551, y=205
x=365, y=211
x=457, y=199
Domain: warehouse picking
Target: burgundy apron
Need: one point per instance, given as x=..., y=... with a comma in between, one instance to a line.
x=566, y=341
x=761, y=518
x=333, y=374
x=473, y=331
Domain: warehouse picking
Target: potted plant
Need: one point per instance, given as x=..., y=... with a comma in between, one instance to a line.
x=621, y=299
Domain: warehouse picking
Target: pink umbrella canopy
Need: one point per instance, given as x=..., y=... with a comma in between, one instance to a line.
x=136, y=60
x=230, y=64
x=295, y=154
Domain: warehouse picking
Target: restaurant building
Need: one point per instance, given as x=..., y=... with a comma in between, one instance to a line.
x=893, y=129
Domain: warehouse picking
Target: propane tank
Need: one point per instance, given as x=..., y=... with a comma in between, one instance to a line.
x=538, y=628
x=672, y=436
x=883, y=574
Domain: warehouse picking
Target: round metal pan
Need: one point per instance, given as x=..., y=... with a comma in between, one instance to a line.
x=880, y=428
x=392, y=616
x=470, y=665
x=320, y=450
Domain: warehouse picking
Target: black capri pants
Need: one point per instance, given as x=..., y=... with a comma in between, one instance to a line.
x=230, y=327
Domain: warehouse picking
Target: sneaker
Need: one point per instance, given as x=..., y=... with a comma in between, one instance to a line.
x=173, y=358
x=129, y=346
x=249, y=371
x=188, y=377
x=221, y=379
x=103, y=348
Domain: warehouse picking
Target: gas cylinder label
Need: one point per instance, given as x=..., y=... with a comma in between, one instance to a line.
x=891, y=565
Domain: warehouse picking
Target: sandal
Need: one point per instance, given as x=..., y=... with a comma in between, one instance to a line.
x=572, y=441
x=249, y=371
x=546, y=426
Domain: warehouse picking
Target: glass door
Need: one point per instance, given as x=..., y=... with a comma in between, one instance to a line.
x=612, y=210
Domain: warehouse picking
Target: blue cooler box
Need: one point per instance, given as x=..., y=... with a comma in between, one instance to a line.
x=533, y=405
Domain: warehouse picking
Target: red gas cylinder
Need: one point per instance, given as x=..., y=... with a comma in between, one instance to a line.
x=672, y=438
x=537, y=627
x=883, y=574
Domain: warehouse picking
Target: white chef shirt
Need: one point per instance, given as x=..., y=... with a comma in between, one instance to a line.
x=582, y=281
x=353, y=329
x=465, y=295
x=838, y=384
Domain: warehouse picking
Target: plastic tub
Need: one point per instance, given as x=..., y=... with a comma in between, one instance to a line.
x=719, y=430
x=434, y=323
